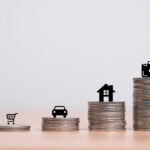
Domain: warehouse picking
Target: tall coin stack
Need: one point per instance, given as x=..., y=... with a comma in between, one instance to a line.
x=106, y=115
x=141, y=104
x=60, y=124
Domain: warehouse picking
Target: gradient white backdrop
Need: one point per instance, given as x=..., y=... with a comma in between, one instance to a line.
x=56, y=52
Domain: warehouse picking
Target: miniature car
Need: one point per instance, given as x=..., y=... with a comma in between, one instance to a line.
x=59, y=111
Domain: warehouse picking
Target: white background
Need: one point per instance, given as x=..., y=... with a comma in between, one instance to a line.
x=60, y=52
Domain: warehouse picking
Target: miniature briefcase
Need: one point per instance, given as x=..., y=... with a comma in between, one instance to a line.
x=146, y=69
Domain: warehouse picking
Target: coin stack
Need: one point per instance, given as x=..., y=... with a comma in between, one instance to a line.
x=60, y=124
x=106, y=115
x=16, y=127
x=141, y=104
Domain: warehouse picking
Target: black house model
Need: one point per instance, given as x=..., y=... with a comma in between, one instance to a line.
x=106, y=91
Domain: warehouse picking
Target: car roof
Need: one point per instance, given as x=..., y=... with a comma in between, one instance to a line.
x=59, y=106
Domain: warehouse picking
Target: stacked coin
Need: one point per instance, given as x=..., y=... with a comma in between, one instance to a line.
x=60, y=124
x=141, y=104
x=16, y=127
x=106, y=115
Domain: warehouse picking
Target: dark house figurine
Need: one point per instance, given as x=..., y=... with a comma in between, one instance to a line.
x=106, y=91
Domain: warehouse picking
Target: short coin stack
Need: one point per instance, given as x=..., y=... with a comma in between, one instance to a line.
x=106, y=116
x=141, y=104
x=16, y=127
x=60, y=124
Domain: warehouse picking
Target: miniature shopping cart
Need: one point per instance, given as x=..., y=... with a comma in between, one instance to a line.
x=11, y=118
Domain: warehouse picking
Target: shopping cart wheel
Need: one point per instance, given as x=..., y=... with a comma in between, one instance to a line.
x=8, y=123
x=13, y=123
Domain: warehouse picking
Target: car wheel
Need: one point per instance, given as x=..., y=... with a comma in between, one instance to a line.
x=54, y=116
x=64, y=116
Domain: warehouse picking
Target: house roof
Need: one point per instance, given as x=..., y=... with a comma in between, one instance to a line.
x=106, y=87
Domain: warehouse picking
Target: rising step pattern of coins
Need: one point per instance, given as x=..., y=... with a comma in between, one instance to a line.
x=106, y=116
x=101, y=115
x=141, y=103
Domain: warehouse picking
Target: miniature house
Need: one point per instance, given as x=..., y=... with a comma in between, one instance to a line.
x=106, y=91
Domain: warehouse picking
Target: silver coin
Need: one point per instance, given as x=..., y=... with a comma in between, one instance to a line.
x=60, y=119
x=108, y=128
x=123, y=129
x=60, y=125
x=59, y=129
x=106, y=108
